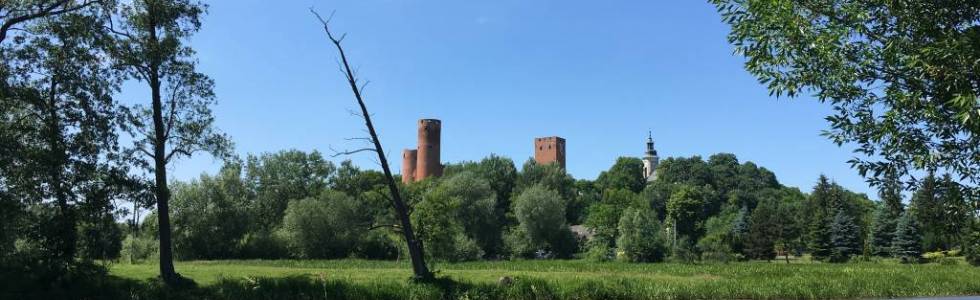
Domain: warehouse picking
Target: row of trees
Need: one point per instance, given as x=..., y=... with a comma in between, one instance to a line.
x=293, y=204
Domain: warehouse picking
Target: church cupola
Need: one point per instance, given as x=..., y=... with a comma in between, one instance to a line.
x=650, y=160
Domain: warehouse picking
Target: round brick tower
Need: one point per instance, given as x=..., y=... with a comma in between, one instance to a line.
x=409, y=158
x=428, y=152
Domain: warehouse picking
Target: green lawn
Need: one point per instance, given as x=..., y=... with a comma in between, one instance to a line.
x=575, y=279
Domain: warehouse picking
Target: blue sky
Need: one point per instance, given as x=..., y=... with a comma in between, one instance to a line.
x=498, y=74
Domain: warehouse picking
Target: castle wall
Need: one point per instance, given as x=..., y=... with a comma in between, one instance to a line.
x=428, y=162
x=409, y=160
x=550, y=150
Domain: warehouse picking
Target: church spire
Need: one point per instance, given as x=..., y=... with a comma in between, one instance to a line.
x=650, y=150
x=650, y=160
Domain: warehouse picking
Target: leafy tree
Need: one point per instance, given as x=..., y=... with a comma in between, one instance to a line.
x=550, y=176
x=461, y=208
x=327, y=226
x=541, y=216
x=692, y=171
x=276, y=178
x=685, y=210
x=19, y=13
x=501, y=174
x=150, y=45
x=588, y=196
x=656, y=194
x=724, y=172
x=210, y=215
x=845, y=238
x=604, y=217
x=898, y=74
x=719, y=236
x=353, y=181
x=640, y=238
x=59, y=174
x=626, y=173
x=907, y=243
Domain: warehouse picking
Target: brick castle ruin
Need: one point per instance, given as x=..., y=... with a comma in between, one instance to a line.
x=423, y=162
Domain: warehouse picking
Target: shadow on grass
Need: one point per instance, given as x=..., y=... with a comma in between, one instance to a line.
x=93, y=282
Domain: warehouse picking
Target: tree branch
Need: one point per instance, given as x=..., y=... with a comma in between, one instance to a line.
x=43, y=11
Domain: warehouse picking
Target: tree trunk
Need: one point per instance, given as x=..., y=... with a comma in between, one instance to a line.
x=161, y=189
x=415, y=250
x=67, y=237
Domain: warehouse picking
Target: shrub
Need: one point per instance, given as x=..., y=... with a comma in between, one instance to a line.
x=599, y=250
x=684, y=251
x=461, y=208
x=541, y=217
x=139, y=249
x=324, y=227
x=640, y=238
x=376, y=245
x=972, y=245
x=262, y=244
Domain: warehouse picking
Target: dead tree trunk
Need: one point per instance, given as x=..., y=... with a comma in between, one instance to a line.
x=419, y=268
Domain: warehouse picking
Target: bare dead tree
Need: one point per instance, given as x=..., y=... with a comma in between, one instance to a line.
x=420, y=269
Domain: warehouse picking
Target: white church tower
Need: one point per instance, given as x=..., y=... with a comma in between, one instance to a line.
x=650, y=160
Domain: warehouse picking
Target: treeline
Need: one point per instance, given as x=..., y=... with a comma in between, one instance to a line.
x=293, y=204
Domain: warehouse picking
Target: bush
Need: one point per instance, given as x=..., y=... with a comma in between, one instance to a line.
x=325, y=227
x=457, y=214
x=640, y=238
x=139, y=249
x=684, y=251
x=541, y=215
x=376, y=245
x=599, y=250
x=263, y=245
x=972, y=245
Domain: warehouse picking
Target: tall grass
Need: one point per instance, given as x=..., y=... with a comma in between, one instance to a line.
x=545, y=279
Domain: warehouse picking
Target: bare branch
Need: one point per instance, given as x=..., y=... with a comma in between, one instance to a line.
x=176, y=151
x=363, y=86
x=392, y=226
x=349, y=152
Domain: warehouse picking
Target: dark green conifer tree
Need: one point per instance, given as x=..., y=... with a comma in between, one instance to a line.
x=907, y=244
x=762, y=231
x=883, y=231
x=845, y=237
x=819, y=237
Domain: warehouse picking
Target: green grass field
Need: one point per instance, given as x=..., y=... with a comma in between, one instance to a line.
x=555, y=279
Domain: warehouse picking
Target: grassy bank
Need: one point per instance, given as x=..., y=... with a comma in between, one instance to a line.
x=356, y=279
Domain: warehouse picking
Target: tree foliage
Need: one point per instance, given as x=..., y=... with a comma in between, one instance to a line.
x=541, y=216
x=640, y=236
x=900, y=75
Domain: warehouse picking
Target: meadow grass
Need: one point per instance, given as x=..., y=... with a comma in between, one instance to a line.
x=554, y=279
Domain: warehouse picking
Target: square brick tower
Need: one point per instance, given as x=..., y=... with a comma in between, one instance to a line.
x=550, y=150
